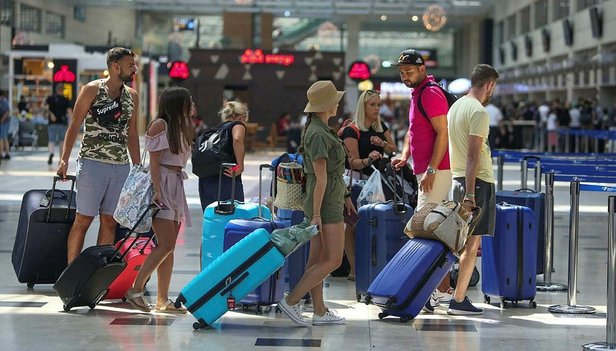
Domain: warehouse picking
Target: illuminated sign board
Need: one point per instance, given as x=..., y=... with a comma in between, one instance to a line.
x=64, y=75
x=258, y=57
x=359, y=70
x=179, y=70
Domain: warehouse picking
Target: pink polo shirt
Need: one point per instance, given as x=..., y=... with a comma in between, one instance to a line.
x=422, y=135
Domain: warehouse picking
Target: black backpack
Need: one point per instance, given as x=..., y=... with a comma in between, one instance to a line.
x=451, y=98
x=212, y=148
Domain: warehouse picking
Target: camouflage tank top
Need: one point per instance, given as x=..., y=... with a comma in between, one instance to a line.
x=106, y=127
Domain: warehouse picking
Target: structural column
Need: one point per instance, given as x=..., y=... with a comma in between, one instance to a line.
x=351, y=54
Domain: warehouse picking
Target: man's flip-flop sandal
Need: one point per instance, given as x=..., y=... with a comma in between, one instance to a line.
x=169, y=307
x=138, y=301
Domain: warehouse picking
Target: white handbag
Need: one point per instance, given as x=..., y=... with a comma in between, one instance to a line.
x=135, y=197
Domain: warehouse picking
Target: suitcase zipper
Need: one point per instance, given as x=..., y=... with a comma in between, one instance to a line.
x=231, y=280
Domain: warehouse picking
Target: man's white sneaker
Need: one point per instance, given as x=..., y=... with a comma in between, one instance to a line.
x=330, y=317
x=443, y=297
x=294, y=312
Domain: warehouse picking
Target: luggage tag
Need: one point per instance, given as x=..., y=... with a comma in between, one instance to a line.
x=230, y=302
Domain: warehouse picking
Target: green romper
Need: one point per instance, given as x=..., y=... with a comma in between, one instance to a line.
x=320, y=141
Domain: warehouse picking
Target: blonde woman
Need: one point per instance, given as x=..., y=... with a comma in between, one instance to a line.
x=366, y=138
x=234, y=116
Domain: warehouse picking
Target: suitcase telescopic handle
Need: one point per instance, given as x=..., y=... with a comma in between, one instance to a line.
x=70, y=178
x=272, y=169
x=399, y=207
x=132, y=230
x=220, y=174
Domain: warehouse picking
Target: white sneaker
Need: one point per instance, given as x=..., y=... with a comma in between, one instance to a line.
x=443, y=297
x=294, y=312
x=330, y=317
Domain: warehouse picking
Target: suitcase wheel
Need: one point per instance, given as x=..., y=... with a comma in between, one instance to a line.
x=486, y=299
x=199, y=325
x=532, y=304
x=358, y=297
x=66, y=308
x=503, y=304
x=383, y=315
x=92, y=306
x=30, y=285
x=179, y=301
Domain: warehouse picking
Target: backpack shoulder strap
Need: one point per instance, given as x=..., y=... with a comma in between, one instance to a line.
x=351, y=125
x=422, y=110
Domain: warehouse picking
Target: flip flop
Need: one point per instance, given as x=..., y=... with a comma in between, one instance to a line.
x=169, y=307
x=138, y=301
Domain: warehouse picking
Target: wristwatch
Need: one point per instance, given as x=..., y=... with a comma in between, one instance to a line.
x=431, y=170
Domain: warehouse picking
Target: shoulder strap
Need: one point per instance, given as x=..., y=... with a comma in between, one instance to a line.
x=351, y=125
x=422, y=110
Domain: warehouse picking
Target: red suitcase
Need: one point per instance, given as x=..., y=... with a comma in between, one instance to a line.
x=134, y=259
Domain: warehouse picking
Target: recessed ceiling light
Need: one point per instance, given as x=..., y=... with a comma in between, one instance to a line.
x=287, y=13
x=383, y=17
x=415, y=18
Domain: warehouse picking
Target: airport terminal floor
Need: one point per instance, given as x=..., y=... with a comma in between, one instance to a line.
x=33, y=319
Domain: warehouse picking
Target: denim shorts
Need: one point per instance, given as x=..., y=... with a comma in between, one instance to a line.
x=4, y=129
x=98, y=186
x=56, y=132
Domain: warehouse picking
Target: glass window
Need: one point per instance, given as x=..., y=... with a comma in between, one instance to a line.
x=6, y=13
x=541, y=13
x=525, y=20
x=511, y=28
x=561, y=9
x=500, y=33
x=54, y=24
x=582, y=4
x=30, y=19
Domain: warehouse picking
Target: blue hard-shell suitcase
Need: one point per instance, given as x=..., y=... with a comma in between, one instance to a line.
x=217, y=215
x=272, y=289
x=405, y=284
x=508, y=267
x=536, y=202
x=230, y=277
x=379, y=236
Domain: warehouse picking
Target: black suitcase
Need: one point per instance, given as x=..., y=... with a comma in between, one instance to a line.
x=87, y=279
x=45, y=219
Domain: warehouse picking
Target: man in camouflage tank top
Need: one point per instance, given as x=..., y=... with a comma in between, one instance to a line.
x=109, y=108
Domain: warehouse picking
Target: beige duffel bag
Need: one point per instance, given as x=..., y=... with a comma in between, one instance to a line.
x=448, y=222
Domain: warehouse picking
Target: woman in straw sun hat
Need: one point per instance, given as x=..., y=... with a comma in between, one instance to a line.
x=325, y=200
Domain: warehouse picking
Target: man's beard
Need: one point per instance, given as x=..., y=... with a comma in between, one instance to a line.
x=410, y=84
x=127, y=78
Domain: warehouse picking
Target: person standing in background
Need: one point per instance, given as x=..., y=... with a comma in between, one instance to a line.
x=59, y=112
x=5, y=121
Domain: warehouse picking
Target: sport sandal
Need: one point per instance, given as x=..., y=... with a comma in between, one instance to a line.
x=138, y=300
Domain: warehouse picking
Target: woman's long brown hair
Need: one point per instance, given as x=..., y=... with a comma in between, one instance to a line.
x=174, y=107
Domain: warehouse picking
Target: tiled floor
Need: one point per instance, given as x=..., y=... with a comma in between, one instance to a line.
x=34, y=320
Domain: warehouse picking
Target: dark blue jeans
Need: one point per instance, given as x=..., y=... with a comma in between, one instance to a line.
x=208, y=189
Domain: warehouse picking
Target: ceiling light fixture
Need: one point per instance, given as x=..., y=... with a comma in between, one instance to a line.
x=434, y=18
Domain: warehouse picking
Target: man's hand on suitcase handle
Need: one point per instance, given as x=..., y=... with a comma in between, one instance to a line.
x=62, y=169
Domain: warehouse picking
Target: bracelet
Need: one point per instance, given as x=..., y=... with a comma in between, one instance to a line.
x=316, y=216
x=384, y=143
x=363, y=163
x=347, y=195
x=469, y=200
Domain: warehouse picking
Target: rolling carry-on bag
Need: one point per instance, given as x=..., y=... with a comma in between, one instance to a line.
x=379, y=236
x=136, y=255
x=218, y=214
x=45, y=219
x=273, y=288
x=230, y=277
x=508, y=267
x=404, y=286
x=87, y=279
x=536, y=202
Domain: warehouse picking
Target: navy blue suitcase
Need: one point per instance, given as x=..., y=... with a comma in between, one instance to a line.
x=45, y=219
x=404, y=286
x=508, y=264
x=296, y=262
x=536, y=202
x=379, y=236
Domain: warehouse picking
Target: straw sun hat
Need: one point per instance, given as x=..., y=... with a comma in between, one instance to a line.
x=322, y=95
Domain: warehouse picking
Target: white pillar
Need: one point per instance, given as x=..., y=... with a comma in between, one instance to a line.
x=351, y=54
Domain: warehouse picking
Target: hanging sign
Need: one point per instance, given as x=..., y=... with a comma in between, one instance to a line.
x=359, y=70
x=179, y=70
x=258, y=57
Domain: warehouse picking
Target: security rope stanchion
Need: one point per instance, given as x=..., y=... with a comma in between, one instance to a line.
x=547, y=284
x=538, y=176
x=524, y=173
x=574, y=224
x=501, y=167
x=610, y=343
